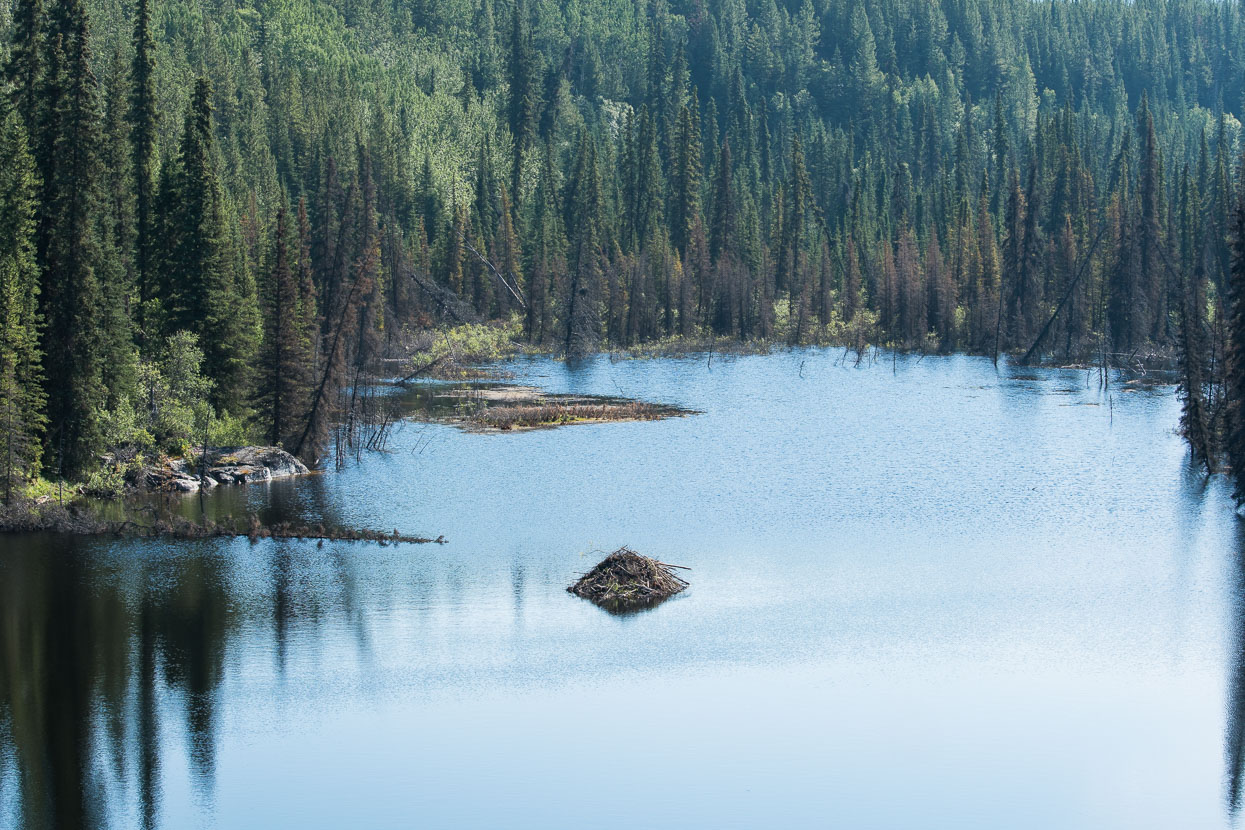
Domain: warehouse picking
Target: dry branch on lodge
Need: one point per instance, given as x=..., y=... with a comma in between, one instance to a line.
x=626, y=580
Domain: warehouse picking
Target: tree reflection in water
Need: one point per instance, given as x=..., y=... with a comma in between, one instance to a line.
x=107, y=646
x=84, y=660
x=1235, y=733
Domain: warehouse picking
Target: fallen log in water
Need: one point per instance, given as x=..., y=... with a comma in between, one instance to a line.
x=55, y=518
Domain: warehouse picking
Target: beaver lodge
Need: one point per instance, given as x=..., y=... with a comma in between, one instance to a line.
x=627, y=581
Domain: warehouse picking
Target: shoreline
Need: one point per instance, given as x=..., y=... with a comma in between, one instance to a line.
x=487, y=405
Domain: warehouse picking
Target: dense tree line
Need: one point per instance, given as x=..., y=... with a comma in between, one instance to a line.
x=218, y=217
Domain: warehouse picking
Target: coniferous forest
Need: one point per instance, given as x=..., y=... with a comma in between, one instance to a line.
x=217, y=219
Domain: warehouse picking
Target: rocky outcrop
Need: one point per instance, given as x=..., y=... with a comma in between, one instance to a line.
x=245, y=465
x=228, y=465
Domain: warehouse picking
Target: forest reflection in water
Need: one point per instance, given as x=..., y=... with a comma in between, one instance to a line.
x=104, y=658
x=103, y=641
x=86, y=665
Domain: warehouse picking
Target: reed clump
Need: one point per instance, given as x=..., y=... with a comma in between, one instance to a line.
x=551, y=414
x=627, y=581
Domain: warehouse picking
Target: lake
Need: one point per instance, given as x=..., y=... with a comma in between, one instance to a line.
x=925, y=593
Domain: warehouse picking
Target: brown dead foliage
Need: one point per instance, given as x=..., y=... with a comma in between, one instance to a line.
x=550, y=414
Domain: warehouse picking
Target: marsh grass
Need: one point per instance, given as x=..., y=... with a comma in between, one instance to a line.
x=552, y=414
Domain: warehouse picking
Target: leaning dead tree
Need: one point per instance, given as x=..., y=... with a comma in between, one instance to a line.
x=511, y=284
x=1080, y=272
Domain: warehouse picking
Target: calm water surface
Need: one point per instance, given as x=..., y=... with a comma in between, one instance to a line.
x=925, y=594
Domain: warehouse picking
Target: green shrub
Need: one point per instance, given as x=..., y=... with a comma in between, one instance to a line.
x=469, y=343
x=121, y=430
x=228, y=431
x=105, y=483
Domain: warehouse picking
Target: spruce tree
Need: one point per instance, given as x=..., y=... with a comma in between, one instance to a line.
x=1027, y=289
x=1220, y=206
x=585, y=258
x=851, y=281
x=794, y=224
x=1012, y=295
x=115, y=270
x=284, y=361
x=547, y=267
x=202, y=290
x=724, y=229
x=940, y=304
x=24, y=70
x=885, y=293
x=1194, y=416
x=484, y=204
x=1078, y=316
x=797, y=224
x=1128, y=310
x=730, y=277
x=1150, y=237
x=698, y=276
x=685, y=179
x=308, y=308
x=368, y=269
x=910, y=291
x=863, y=72
x=509, y=257
x=144, y=126
x=524, y=103
x=1001, y=151
x=646, y=192
x=22, y=396
x=987, y=283
x=68, y=248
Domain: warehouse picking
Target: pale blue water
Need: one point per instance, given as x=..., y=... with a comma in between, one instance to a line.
x=924, y=594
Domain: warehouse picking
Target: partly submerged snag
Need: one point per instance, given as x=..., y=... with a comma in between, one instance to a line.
x=626, y=581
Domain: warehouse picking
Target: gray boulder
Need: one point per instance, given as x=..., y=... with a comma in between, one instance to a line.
x=170, y=480
x=226, y=465
x=245, y=465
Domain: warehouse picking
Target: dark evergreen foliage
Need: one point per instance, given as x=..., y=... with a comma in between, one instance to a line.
x=144, y=124
x=963, y=174
x=22, y=399
x=1235, y=382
